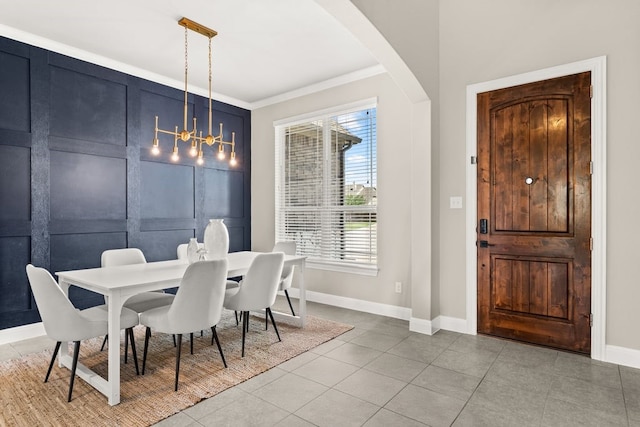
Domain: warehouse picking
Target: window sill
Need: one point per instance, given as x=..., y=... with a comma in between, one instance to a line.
x=363, y=270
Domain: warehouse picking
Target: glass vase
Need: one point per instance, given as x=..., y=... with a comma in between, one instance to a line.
x=192, y=250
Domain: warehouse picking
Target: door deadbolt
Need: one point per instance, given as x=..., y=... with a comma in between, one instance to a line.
x=484, y=226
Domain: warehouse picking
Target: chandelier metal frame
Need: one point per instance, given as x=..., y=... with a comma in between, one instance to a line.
x=197, y=140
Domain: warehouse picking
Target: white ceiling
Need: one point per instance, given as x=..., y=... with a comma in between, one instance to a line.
x=264, y=49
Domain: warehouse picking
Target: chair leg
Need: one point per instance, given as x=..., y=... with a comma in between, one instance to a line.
x=215, y=336
x=245, y=319
x=273, y=322
x=129, y=331
x=236, y=313
x=266, y=321
x=147, y=335
x=174, y=340
x=53, y=359
x=293, y=313
x=104, y=342
x=126, y=346
x=191, y=341
x=74, y=365
x=179, y=346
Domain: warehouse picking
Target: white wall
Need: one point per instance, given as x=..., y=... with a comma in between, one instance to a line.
x=482, y=40
x=490, y=39
x=412, y=27
x=394, y=205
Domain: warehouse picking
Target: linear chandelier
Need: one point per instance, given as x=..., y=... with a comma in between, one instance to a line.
x=197, y=140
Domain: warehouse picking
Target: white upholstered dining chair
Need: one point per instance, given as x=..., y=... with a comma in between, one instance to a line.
x=197, y=305
x=64, y=323
x=257, y=290
x=182, y=253
x=142, y=301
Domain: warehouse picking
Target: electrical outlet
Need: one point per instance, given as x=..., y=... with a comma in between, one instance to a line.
x=455, y=202
x=398, y=287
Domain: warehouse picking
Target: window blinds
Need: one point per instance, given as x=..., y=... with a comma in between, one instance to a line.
x=326, y=196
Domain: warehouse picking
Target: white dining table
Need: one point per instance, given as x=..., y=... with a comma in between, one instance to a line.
x=121, y=282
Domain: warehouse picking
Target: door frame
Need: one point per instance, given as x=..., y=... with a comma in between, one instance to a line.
x=597, y=66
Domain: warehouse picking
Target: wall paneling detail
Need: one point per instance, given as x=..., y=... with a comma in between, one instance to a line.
x=77, y=176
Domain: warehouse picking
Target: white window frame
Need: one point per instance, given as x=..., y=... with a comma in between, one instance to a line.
x=279, y=127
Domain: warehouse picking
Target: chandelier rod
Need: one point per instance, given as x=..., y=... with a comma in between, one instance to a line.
x=186, y=74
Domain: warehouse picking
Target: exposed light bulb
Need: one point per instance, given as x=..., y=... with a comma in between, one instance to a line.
x=155, y=149
x=175, y=156
x=200, y=160
x=233, y=161
x=194, y=149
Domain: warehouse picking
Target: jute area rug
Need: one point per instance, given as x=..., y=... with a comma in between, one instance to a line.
x=27, y=401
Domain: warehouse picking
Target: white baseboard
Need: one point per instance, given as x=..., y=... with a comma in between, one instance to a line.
x=394, y=311
x=19, y=333
x=452, y=324
x=430, y=327
x=622, y=356
x=422, y=326
x=613, y=354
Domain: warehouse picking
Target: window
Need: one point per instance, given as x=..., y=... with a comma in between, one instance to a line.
x=326, y=188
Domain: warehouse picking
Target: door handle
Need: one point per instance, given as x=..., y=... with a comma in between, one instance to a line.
x=485, y=244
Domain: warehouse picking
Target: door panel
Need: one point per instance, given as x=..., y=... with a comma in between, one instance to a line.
x=534, y=187
x=531, y=286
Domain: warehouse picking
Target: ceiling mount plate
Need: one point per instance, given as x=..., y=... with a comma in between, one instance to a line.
x=198, y=28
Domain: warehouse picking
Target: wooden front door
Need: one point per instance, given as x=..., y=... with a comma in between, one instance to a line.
x=534, y=213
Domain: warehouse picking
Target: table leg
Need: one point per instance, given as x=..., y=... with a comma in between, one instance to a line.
x=64, y=348
x=301, y=312
x=115, y=308
x=303, y=296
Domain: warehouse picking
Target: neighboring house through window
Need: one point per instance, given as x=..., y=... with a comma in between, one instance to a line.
x=326, y=179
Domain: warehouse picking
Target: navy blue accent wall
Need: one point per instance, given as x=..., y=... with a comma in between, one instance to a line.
x=77, y=176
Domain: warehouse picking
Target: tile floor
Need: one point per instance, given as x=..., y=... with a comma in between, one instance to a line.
x=381, y=374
